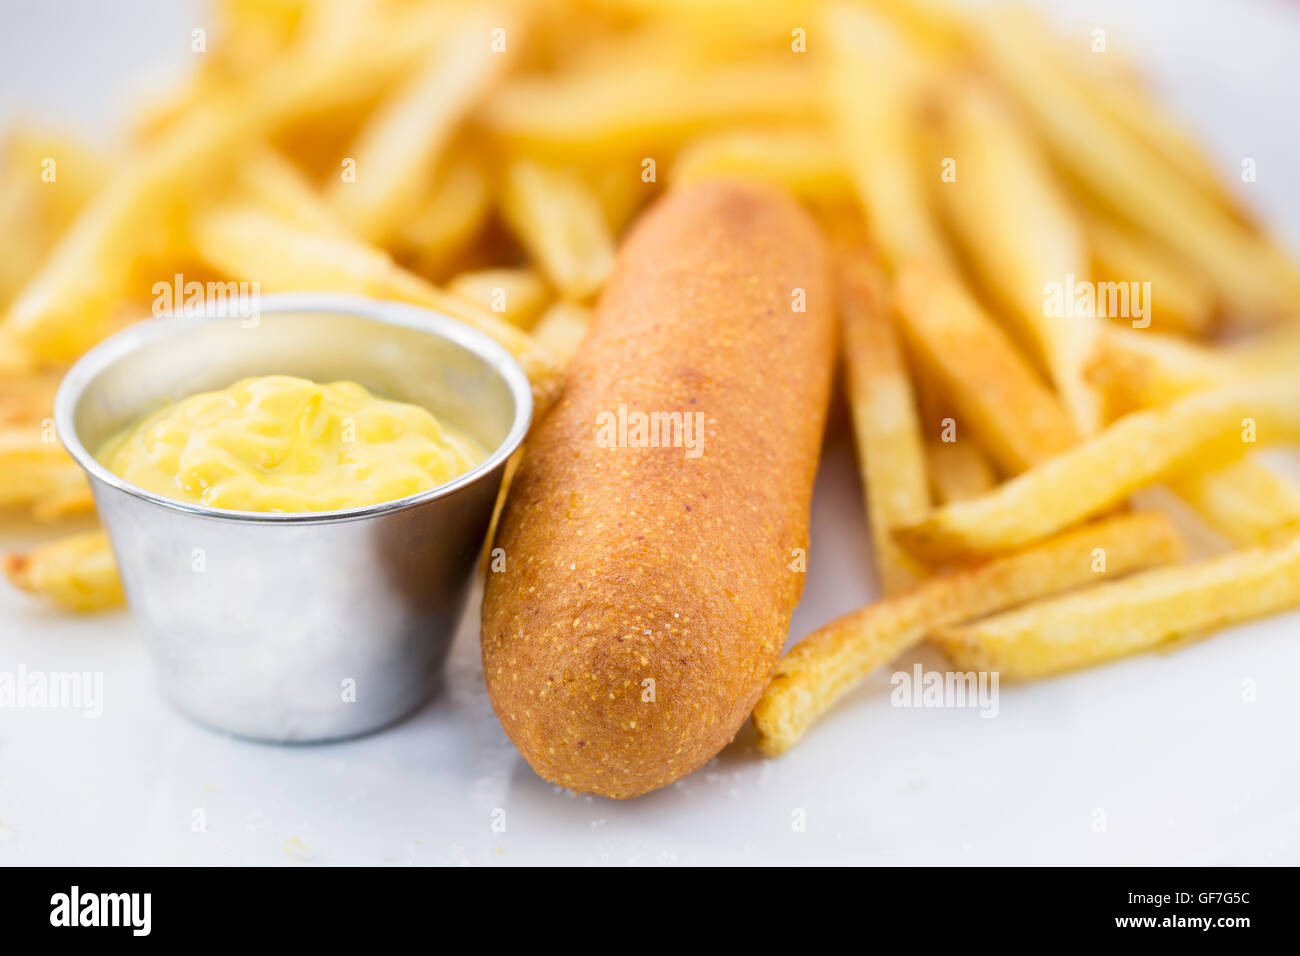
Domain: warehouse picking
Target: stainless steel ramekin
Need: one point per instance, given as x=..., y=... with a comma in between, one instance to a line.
x=312, y=626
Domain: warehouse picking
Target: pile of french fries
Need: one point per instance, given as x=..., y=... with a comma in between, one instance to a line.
x=484, y=159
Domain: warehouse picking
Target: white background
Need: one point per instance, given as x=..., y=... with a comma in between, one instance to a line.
x=1183, y=769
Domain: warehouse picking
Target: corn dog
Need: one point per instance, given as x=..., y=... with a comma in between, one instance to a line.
x=647, y=588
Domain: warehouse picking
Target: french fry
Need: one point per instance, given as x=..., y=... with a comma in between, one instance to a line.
x=449, y=220
x=958, y=470
x=1139, y=613
x=620, y=189
x=1113, y=86
x=35, y=472
x=1255, y=280
x=1015, y=417
x=720, y=27
x=935, y=25
x=1203, y=430
x=69, y=497
x=15, y=360
x=166, y=99
x=401, y=143
x=803, y=160
x=608, y=48
x=562, y=328
x=888, y=435
x=27, y=398
x=244, y=241
x=344, y=57
x=937, y=414
x=64, y=308
x=824, y=666
x=63, y=173
x=17, y=218
x=1181, y=301
x=1133, y=370
x=1018, y=231
x=559, y=220
x=277, y=186
x=1245, y=501
x=1140, y=369
x=252, y=33
x=954, y=462
x=879, y=135
x=517, y=295
x=646, y=107
x=77, y=572
x=46, y=179
x=265, y=25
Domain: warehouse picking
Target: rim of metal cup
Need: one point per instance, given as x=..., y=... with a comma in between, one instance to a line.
x=401, y=314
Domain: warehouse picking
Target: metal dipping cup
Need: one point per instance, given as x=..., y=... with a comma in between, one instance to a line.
x=306, y=626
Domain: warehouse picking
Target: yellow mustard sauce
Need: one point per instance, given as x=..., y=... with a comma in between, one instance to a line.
x=284, y=444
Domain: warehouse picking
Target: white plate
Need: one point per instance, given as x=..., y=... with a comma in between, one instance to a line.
x=1164, y=750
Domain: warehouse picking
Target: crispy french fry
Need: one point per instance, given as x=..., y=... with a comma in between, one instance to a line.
x=890, y=455
x=252, y=32
x=559, y=220
x=36, y=472
x=1133, y=370
x=721, y=26
x=46, y=179
x=1139, y=613
x=276, y=185
x=1019, y=232
x=824, y=666
x=1203, y=430
x=620, y=189
x=66, y=305
x=63, y=172
x=935, y=25
x=803, y=160
x=1245, y=501
x=879, y=135
x=18, y=217
x=954, y=462
x=1272, y=353
x=276, y=20
x=15, y=360
x=449, y=220
x=401, y=143
x=1181, y=300
x=292, y=20
x=645, y=107
x=1016, y=418
x=247, y=242
x=27, y=398
x=517, y=295
x=1113, y=85
x=346, y=55
x=562, y=328
x=166, y=99
x=77, y=572
x=937, y=414
x=958, y=470
x=1255, y=280
x=1140, y=369
x=67, y=499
